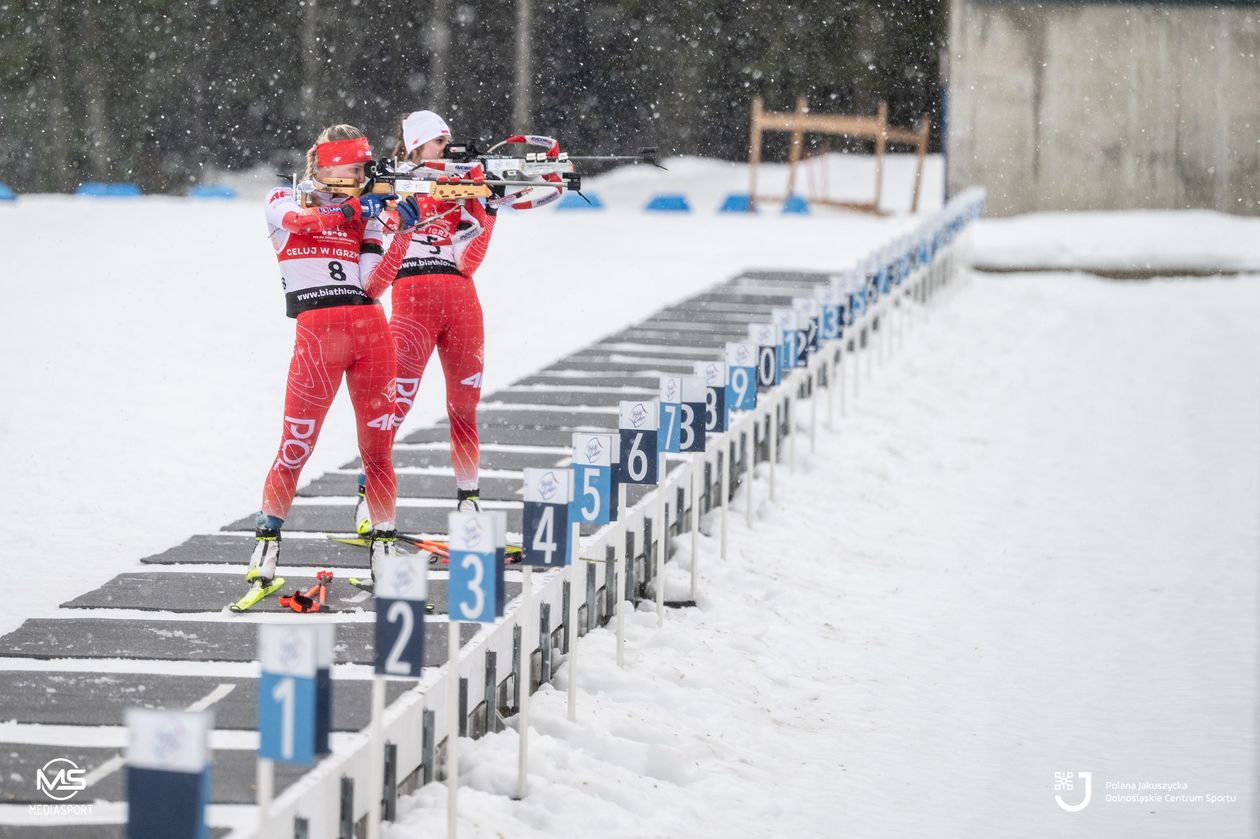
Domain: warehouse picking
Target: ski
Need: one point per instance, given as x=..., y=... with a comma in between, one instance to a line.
x=436, y=546
x=256, y=594
x=369, y=586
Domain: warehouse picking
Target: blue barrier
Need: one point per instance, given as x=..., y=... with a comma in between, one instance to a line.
x=737, y=202
x=797, y=205
x=102, y=190
x=668, y=204
x=7, y=194
x=573, y=201
x=211, y=191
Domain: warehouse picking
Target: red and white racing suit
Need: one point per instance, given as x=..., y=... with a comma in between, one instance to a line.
x=333, y=269
x=435, y=305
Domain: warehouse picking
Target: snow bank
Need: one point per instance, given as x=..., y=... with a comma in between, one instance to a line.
x=1138, y=242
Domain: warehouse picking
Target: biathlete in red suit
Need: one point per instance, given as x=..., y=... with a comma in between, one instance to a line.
x=435, y=306
x=328, y=240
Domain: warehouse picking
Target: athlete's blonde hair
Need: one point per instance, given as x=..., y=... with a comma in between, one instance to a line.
x=400, y=147
x=332, y=132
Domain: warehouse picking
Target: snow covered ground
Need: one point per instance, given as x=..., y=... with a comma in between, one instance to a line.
x=1031, y=548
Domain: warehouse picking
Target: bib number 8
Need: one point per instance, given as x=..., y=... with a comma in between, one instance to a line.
x=336, y=271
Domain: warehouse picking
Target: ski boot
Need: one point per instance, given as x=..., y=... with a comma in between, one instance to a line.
x=362, y=520
x=261, y=574
x=468, y=501
x=384, y=543
x=262, y=565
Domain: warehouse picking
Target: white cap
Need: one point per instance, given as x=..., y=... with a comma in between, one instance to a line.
x=422, y=126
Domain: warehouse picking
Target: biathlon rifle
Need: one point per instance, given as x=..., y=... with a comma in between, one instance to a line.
x=523, y=182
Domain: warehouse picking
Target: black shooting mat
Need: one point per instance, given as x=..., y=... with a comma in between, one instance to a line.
x=91, y=698
x=210, y=640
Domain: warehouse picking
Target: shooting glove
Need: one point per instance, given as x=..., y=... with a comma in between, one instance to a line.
x=372, y=205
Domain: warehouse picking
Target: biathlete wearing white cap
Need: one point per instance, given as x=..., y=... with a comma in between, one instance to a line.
x=435, y=305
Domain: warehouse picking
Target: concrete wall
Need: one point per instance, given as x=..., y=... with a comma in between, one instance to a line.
x=1105, y=107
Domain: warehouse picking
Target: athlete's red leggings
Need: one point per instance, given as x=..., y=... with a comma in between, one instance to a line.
x=442, y=311
x=353, y=340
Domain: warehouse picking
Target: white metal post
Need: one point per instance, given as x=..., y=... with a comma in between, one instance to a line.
x=773, y=442
x=575, y=629
x=697, y=472
x=750, y=457
x=622, y=561
x=266, y=779
x=452, y=736
x=376, y=759
x=660, y=540
x=813, y=407
x=726, y=487
x=525, y=669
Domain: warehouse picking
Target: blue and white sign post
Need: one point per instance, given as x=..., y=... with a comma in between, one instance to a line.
x=286, y=704
x=619, y=550
x=808, y=313
x=694, y=391
x=767, y=338
x=592, y=478
x=743, y=383
x=668, y=440
x=643, y=463
x=168, y=773
x=592, y=499
x=792, y=336
x=858, y=287
x=548, y=493
x=324, y=654
x=716, y=421
x=476, y=578
x=717, y=415
x=638, y=423
x=832, y=299
x=402, y=587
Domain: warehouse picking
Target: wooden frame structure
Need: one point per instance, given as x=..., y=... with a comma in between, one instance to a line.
x=800, y=122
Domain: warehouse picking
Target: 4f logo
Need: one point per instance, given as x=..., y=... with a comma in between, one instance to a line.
x=61, y=779
x=296, y=447
x=386, y=422
x=472, y=381
x=1065, y=782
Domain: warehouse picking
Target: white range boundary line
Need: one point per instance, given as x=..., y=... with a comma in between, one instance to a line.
x=410, y=503
x=150, y=667
x=507, y=407
x=222, y=616
x=446, y=471
x=228, y=569
x=339, y=573
x=572, y=389
x=118, y=761
x=115, y=736
x=485, y=447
